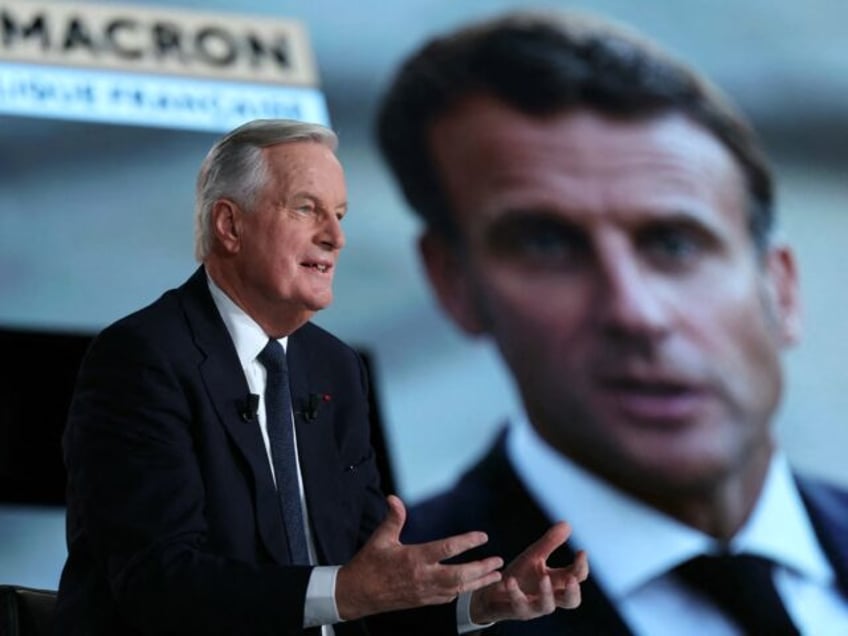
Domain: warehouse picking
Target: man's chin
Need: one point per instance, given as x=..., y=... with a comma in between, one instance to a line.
x=673, y=462
x=317, y=299
x=684, y=474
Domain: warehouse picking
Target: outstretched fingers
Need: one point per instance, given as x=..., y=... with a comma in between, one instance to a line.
x=511, y=600
x=449, y=547
x=527, y=606
x=460, y=577
x=530, y=588
x=469, y=577
x=567, y=580
x=543, y=547
x=580, y=567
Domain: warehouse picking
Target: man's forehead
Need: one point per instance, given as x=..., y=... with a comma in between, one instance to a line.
x=581, y=164
x=306, y=169
x=298, y=148
x=482, y=118
x=501, y=140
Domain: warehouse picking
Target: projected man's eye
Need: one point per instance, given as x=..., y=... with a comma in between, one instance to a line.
x=542, y=242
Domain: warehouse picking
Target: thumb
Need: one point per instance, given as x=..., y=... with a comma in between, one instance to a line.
x=556, y=535
x=394, y=520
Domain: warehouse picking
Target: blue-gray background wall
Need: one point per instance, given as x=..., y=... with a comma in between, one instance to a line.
x=95, y=221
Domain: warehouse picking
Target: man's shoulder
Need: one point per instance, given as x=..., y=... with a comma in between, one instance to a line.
x=822, y=495
x=827, y=506
x=488, y=497
x=319, y=344
x=478, y=498
x=156, y=311
x=318, y=336
x=163, y=320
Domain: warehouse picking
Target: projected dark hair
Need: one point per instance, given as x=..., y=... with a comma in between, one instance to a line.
x=541, y=64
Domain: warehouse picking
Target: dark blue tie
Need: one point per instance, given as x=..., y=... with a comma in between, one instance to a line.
x=278, y=413
x=743, y=587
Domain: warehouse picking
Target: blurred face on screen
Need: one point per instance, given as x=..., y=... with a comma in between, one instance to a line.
x=283, y=252
x=611, y=263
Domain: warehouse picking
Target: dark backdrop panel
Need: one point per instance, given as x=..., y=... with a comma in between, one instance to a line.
x=38, y=374
x=39, y=371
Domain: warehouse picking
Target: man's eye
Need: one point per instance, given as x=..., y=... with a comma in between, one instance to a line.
x=672, y=245
x=544, y=242
x=539, y=241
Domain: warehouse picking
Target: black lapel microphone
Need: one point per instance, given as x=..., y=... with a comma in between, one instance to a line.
x=249, y=407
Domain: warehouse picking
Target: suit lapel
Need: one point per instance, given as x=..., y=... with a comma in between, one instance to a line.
x=227, y=390
x=523, y=522
x=828, y=510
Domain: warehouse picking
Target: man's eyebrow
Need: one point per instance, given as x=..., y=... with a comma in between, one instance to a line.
x=536, y=210
x=312, y=196
x=679, y=216
x=304, y=194
x=316, y=200
x=535, y=215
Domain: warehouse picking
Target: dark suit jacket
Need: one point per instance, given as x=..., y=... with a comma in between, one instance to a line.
x=491, y=498
x=174, y=526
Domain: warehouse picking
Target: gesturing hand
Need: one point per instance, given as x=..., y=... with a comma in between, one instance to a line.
x=387, y=575
x=530, y=588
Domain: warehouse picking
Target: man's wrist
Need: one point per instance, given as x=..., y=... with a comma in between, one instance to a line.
x=464, y=624
x=320, y=605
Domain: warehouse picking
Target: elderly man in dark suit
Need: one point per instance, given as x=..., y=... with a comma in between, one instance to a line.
x=221, y=477
x=600, y=212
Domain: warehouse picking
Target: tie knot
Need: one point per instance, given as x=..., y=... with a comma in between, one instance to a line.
x=742, y=585
x=728, y=567
x=273, y=357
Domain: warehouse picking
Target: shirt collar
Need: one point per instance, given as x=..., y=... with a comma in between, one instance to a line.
x=629, y=543
x=248, y=337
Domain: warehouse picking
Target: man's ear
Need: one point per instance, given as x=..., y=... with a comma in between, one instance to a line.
x=226, y=224
x=450, y=279
x=784, y=292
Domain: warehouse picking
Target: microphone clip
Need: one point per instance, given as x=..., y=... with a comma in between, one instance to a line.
x=313, y=404
x=249, y=407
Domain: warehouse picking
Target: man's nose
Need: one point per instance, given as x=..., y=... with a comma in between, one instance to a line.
x=631, y=300
x=332, y=235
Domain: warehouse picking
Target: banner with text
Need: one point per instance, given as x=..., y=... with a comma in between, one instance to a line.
x=154, y=66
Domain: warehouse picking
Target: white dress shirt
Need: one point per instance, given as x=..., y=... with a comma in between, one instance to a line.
x=249, y=340
x=632, y=547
